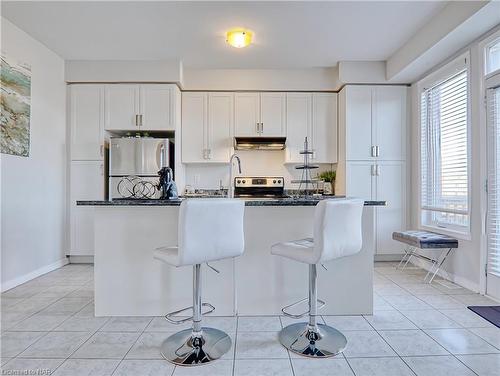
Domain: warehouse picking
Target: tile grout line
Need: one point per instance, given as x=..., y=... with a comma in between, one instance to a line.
x=288, y=351
x=235, y=343
x=137, y=339
x=453, y=355
x=383, y=339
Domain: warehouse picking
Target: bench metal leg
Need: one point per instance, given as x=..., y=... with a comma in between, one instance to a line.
x=403, y=258
x=410, y=255
x=439, y=262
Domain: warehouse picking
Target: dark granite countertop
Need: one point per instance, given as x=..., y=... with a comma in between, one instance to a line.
x=248, y=202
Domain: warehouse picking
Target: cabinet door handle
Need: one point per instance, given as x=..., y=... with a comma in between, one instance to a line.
x=140, y=120
x=373, y=151
x=377, y=151
x=209, y=152
x=377, y=170
x=101, y=150
x=261, y=127
x=257, y=127
x=136, y=120
x=204, y=153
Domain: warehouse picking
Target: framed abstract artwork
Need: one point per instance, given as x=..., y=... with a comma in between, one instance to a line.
x=15, y=106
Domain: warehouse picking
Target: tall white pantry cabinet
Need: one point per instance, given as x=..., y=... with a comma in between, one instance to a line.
x=93, y=110
x=87, y=166
x=372, y=155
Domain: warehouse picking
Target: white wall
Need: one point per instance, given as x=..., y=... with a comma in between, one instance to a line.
x=362, y=72
x=34, y=188
x=124, y=71
x=253, y=163
x=312, y=79
x=466, y=265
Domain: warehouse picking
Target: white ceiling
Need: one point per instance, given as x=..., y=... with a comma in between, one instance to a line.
x=287, y=34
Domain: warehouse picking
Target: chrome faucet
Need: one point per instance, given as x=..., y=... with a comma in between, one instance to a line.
x=230, y=190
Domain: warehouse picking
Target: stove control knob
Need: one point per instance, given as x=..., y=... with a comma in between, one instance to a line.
x=274, y=181
x=239, y=181
x=279, y=181
x=244, y=181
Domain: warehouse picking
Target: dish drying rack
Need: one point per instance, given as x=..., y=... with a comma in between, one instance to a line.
x=306, y=182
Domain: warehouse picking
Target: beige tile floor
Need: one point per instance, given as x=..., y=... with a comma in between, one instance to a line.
x=416, y=329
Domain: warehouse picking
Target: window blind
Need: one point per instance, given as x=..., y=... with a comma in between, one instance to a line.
x=493, y=222
x=444, y=153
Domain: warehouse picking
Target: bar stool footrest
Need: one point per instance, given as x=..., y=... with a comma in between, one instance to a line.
x=171, y=316
x=285, y=309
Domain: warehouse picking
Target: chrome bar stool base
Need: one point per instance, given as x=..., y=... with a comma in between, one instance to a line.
x=299, y=339
x=185, y=350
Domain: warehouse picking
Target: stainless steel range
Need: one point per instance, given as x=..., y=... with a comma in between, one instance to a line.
x=270, y=187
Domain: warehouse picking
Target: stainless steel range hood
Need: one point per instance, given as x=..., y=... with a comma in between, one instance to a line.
x=259, y=143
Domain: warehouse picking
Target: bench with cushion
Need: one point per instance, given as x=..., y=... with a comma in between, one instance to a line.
x=416, y=240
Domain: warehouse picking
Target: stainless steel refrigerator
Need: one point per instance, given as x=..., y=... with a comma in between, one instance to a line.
x=134, y=163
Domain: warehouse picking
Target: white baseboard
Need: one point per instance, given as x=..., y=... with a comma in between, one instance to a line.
x=388, y=257
x=35, y=273
x=447, y=275
x=81, y=259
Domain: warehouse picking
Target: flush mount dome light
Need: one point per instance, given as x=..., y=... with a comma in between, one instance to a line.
x=239, y=38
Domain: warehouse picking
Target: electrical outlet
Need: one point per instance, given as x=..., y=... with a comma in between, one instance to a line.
x=196, y=179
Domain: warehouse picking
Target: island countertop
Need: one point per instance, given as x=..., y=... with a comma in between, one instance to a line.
x=248, y=202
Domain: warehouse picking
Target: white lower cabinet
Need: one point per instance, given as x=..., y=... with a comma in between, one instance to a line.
x=384, y=180
x=86, y=183
x=391, y=187
x=359, y=180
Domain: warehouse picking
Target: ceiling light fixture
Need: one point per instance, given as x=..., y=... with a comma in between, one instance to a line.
x=239, y=38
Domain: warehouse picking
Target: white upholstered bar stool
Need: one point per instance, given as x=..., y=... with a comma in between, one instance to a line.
x=337, y=233
x=209, y=230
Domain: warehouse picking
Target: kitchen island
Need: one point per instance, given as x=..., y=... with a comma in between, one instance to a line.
x=129, y=282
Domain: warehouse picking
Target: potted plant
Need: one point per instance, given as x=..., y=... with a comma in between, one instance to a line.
x=329, y=178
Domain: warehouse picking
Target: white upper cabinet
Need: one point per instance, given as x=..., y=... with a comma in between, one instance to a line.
x=121, y=105
x=156, y=107
x=194, y=127
x=207, y=121
x=358, y=122
x=220, y=125
x=324, y=127
x=298, y=115
x=259, y=114
x=86, y=118
x=145, y=107
x=272, y=114
x=313, y=115
x=246, y=114
x=375, y=122
x=389, y=119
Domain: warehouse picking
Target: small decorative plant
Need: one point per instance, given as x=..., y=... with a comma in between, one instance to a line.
x=328, y=176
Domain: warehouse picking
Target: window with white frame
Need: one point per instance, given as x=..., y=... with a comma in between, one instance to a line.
x=493, y=56
x=445, y=153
